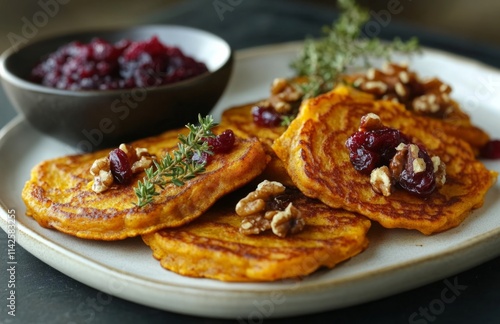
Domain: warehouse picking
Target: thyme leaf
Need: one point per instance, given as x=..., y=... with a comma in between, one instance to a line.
x=324, y=60
x=178, y=166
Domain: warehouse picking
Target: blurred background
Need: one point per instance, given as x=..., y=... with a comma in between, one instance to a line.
x=476, y=21
x=470, y=28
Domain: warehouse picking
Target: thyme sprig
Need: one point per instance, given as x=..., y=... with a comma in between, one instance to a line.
x=178, y=166
x=324, y=60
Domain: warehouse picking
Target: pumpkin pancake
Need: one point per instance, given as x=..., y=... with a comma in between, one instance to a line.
x=314, y=152
x=213, y=247
x=59, y=193
x=240, y=120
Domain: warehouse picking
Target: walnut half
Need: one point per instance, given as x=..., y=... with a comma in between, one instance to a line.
x=259, y=217
x=287, y=221
x=284, y=94
x=103, y=179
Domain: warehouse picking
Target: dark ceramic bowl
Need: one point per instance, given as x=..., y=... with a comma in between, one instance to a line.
x=89, y=120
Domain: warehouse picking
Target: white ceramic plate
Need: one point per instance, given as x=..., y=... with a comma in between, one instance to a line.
x=396, y=260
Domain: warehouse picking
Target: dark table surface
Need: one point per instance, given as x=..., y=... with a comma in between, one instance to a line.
x=44, y=295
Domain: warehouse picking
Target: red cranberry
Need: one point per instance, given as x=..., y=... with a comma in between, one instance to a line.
x=422, y=183
x=266, y=117
x=120, y=166
x=374, y=148
x=491, y=150
x=222, y=143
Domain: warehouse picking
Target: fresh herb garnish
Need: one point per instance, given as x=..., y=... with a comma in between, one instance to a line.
x=286, y=120
x=178, y=166
x=323, y=60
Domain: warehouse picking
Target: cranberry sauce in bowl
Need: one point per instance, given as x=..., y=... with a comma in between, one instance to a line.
x=98, y=89
x=100, y=65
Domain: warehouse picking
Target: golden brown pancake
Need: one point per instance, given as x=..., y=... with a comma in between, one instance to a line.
x=458, y=124
x=212, y=246
x=240, y=120
x=59, y=193
x=314, y=152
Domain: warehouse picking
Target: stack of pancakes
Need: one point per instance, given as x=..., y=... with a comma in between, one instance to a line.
x=194, y=229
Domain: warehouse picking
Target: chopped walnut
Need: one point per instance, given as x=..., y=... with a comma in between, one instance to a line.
x=283, y=96
x=380, y=179
x=406, y=153
x=98, y=165
x=258, y=216
x=255, y=202
x=139, y=159
x=254, y=224
x=418, y=163
x=432, y=103
x=375, y=87
x=103, y=179
x=397, y=83
x=398, y=161
x=287, y=221
x=439, y=171
x=369, y=122
x=409, y=153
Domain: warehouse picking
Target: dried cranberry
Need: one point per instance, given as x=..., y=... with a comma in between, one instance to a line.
x=266, y=117
x=491, y=150
x=222, y=143
x=374, y=148
x=120, y=166
x=421, y=183
x=280, y=202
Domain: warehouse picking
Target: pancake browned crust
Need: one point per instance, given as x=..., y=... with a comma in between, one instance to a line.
x=212, y=246
x=59, y=193
x=313, y=150
x=240, y=120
